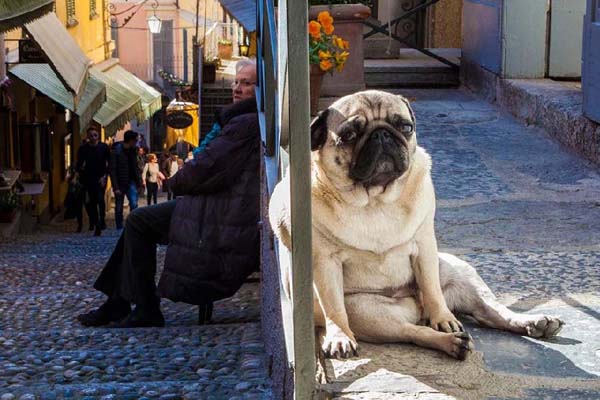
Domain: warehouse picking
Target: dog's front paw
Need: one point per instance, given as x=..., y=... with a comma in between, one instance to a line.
x=445, y=321
x=458, y=345
x=543, y=326
x=336, y=344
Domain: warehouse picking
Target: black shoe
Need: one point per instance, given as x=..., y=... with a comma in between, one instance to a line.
x=98, y=231
x=142, y=317
x=102, y=224
x=112, y=310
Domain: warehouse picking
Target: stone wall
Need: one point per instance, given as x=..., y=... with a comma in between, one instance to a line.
x=272, y=325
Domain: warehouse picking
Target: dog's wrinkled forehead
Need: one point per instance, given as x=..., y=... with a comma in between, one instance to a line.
x=370, y=106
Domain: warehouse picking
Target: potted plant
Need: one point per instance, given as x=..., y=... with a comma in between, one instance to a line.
x=327, y=53
x=209, y=70
x=225, y=48
x=9, y=202
x=349, y=16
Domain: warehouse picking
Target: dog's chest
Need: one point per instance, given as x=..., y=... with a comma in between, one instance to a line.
x=372, y=229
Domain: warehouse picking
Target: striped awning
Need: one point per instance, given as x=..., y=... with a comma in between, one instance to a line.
x=16, y=13
x=42, y=78
x=63, y=52
x=122, y=105
x=243, y=11
x=151, y=98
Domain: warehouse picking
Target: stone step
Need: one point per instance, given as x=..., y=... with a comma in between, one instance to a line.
x=412, y=69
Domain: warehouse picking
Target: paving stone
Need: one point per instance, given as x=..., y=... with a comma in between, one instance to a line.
x=46, y=281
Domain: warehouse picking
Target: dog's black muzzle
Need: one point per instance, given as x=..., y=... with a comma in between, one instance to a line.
x=382, y=159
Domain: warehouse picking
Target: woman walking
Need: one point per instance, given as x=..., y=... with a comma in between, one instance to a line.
x=152, y=178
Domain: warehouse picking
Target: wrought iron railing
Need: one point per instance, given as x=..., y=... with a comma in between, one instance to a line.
x=406, y=16
x=282, y=48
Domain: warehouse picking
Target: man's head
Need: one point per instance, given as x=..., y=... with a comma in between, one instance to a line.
x=93, y=136
x=141, y=151
x=129, y=139
x=174, y=157
x=245, y=80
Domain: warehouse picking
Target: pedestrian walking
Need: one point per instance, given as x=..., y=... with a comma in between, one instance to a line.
x=152, y=178
x=92, y=166
x=74, y=199
x=124, y=175
x=171, y=167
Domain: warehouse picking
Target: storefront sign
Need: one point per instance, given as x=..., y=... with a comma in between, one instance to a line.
x=30, y=53
x=179, y=120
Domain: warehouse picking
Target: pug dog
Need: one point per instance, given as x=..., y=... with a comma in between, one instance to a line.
x=378, y=276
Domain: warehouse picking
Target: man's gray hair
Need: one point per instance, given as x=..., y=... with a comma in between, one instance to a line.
x=244, y=63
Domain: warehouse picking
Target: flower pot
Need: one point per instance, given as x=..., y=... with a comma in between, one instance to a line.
x=316, y=80
x=225, y=51
x=347, y=19
x=209, y=73
x=7, y=216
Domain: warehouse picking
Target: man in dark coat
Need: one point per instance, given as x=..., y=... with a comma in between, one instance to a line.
x=124, y=175
x=92, y=167
x=211, y=229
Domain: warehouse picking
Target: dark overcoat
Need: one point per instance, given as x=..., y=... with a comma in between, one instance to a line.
x=214, y=233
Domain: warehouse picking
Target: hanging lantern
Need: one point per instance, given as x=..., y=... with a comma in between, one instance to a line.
x=154, y=23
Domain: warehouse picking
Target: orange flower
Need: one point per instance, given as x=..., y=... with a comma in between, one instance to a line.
x=325, y=18
x=314, y=28
x=345, y=45
x=327, y=21
x=326, y=65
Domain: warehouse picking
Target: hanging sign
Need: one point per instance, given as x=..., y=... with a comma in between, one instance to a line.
x=179, y=120
x=30, y=53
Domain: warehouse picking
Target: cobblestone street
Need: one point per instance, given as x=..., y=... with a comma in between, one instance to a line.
x=45, y=353
x=523, y=211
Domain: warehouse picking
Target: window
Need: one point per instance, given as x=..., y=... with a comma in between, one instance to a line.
x=71, y=20
x=93, y=10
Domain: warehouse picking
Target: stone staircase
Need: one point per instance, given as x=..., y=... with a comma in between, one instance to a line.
x=412, y=69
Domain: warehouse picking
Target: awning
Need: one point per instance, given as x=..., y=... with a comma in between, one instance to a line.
x=64, y=55
x=42, y=78
x=121, y=106
x=16, y=13
x=243, y=11
x=151, y=98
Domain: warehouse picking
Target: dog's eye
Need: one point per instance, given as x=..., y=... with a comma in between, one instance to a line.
x=348, y=136
x=406, y=129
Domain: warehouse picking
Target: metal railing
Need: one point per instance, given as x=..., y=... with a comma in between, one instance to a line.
x=383, y=28
x=282, y=48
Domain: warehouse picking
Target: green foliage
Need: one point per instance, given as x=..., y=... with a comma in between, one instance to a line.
x=367, y=3
x=9, y=201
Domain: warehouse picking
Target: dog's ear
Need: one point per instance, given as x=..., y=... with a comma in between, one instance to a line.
x=318, y=130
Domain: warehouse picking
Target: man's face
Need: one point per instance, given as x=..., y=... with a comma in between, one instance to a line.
x=245, y=83
x=129, y=143
x=93, y=136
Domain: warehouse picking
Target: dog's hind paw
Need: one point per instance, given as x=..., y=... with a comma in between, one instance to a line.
x=543, y=326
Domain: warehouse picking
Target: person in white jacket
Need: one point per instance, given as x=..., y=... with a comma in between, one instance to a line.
x=152, y=178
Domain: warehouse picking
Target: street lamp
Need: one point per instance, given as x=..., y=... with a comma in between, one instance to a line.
x=154, y=23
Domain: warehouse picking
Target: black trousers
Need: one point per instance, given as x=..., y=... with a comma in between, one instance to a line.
x=131, y=269
x=152, y=192
x=94, y=202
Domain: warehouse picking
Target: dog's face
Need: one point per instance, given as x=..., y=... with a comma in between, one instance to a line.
x=366, y=139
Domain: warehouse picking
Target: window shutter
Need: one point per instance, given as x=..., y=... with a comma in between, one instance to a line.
x=70, y=8
x=93, y=12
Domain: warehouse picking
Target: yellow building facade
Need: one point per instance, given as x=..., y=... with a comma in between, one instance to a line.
x=88, y=22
